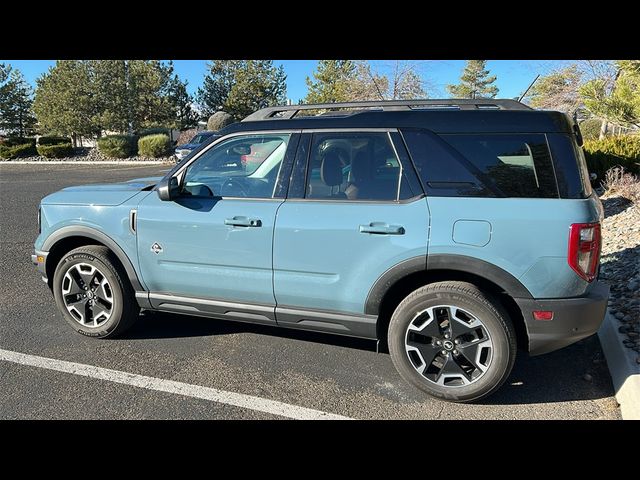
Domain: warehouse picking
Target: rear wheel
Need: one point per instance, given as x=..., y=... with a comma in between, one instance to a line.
x=93, y=294
x=452, y=341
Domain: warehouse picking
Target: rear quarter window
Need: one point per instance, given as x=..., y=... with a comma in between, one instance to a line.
x=483, y=165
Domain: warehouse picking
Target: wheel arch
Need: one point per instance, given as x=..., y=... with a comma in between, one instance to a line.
x=399, y=281
x=67, y=238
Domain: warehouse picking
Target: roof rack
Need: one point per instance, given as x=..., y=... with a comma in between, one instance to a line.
x=290, y=111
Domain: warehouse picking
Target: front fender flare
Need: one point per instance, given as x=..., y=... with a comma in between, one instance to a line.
x=92, y=233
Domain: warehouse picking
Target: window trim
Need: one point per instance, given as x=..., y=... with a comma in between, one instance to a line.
x=313, y=131
x=179, y=174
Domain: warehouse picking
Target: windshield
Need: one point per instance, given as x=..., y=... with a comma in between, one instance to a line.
x=201, y=137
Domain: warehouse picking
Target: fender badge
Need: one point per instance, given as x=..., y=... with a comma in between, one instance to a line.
x=156, y=248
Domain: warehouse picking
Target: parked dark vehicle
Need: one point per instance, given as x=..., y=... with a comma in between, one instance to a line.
x=185, y=149
x=452, y=232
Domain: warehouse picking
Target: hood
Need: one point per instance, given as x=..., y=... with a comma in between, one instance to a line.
x=107, y=194
x=187, y=146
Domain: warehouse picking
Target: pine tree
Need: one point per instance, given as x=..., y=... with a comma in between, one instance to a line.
x=331, y=81
x=64, y=101
x=217, y=85
x=240, y=87
x=475, y=82
x=16, y=102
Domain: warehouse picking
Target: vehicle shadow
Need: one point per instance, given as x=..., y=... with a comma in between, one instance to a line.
x=577, y=372
x=615, y=205
x=155, y=325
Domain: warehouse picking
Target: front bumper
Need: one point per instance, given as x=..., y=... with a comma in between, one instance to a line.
x=39, y=259
x=573, y=319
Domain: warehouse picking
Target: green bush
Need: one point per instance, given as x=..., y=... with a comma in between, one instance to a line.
x=590, y=128
x=17, y=141
x=54, y=140
x=218, y=121
x=17, y=151
x=55, y=151
x=614, y=151
x=117, y=146
x=154, y=146
x=154, y=131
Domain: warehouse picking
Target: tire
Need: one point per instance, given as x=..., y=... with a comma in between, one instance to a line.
x=468, y=365
x=114, y=308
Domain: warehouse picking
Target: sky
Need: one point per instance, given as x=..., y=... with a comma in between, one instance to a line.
x=514, y=76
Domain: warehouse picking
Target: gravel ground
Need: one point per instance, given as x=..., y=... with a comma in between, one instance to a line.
x=620, y=266
x=85, y=154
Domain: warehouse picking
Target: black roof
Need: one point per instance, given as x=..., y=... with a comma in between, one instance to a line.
x=439, y=116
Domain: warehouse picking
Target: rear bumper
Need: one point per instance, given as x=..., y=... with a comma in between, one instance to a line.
x=573, y=319
x=39, y=259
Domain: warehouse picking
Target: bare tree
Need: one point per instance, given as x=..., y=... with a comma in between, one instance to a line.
x=404, y=81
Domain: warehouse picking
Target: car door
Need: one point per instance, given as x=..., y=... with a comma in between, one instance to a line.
x=210, y=249
x=354, y=210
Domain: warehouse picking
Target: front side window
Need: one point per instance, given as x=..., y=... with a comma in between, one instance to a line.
x=352, y=166
x=244, y=166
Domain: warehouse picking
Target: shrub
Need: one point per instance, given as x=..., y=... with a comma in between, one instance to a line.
x=17, y=151
x=154, y=131
x=590, y=128
x=219, y=120
x=154, y=146
x=615, y=151
x=623, y=184
x=55, y=151
x=54, y=140
x=117, y=146
x=16, y=141
x=187, y=135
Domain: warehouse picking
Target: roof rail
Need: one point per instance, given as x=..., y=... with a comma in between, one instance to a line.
x=290, y=111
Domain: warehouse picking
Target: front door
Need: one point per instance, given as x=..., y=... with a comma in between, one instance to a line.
x=213, y=244
x=352, y=214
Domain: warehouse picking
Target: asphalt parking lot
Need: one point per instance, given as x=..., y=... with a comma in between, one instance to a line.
x=337, y=375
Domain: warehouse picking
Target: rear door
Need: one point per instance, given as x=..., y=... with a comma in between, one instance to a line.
x=354, y=210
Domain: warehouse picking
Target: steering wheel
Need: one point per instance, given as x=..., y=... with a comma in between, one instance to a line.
x=237, y=184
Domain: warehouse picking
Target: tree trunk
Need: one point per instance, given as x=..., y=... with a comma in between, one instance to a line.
x=604, y=126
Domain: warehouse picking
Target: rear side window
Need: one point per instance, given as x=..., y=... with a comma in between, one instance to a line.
x=353, y=166
x=483, y=165
x=570, y=166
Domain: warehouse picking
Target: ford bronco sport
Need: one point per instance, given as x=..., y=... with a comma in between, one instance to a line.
x=451, y=231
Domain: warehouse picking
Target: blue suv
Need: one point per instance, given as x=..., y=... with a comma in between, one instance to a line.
x=450, y=231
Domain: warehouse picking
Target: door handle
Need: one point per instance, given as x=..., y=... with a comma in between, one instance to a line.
x=243, y=222
x=380, y=228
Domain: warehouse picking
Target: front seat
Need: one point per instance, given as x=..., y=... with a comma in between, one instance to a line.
x=331, y=173
x=359, y=186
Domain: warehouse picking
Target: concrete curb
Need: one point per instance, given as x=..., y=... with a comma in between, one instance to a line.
x=89, y=162
x=624, y=370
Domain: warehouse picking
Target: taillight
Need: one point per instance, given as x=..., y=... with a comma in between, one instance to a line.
x=584, y=249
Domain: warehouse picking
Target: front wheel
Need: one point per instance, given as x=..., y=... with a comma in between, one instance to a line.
x=452, y=341
x=93, y=293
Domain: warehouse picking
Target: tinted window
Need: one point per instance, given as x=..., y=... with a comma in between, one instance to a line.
x=242, y=166
x=352, y=166
x=568, y=161
x=487, y=165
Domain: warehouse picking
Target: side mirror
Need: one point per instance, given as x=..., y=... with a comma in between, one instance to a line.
x=168, y=189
